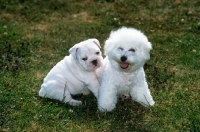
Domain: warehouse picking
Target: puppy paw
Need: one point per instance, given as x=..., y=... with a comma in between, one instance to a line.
x=75, y=102
x=151, y=103
x=147, y=104
x=102, y=109
x=106, y=108
x=42, y=92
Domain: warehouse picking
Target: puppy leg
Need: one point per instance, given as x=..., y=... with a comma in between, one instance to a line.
x=67, y=98
x=142, y=95
x=58, y=90
x=107, y=97
x=94, y=87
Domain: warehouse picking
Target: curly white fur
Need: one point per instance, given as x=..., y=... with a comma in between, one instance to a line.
x=126, y=50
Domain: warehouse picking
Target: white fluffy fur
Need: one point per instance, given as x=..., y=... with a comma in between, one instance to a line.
x=74, y=74
x=126, y=50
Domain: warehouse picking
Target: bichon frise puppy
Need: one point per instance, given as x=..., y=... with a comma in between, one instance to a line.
x=126, y=50
x=74, y=74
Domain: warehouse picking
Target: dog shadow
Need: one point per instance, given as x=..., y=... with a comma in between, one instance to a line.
x=127, y=116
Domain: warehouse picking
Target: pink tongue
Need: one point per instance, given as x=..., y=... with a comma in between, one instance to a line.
x=124, y=65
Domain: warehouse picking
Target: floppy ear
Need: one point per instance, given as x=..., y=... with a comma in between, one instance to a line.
x=95, y=41
x=146, y=49
x=73, y=51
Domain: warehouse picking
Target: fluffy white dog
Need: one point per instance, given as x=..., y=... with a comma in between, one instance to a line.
x=126, y=50
x=74, y=74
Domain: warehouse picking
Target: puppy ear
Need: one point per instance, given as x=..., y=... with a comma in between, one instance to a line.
x=73, y=51
x=108, y=46
x=95, y=41
x=146, y=49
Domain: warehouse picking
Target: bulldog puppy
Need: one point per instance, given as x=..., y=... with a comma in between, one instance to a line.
x=74, y=74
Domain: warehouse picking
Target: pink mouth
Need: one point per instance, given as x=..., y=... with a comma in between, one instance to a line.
x=124, y=65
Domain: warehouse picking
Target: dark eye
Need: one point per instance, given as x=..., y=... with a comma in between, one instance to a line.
x=120, y=48
x=133, y=50
x=97, y=53
x=84, y=58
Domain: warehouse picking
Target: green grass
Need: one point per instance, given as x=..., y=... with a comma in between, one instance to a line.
x=35, y=35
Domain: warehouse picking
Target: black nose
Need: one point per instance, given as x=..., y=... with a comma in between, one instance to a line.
x=94, y=62
x=123, y=58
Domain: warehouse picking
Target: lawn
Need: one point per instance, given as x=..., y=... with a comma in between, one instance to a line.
x=36, y=34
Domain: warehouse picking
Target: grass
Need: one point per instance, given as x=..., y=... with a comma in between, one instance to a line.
x=35, y=35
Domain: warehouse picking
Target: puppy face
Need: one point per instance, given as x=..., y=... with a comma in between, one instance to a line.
x=127, y=49
x=87, y=54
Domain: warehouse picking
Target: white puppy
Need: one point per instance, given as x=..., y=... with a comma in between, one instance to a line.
x=126, y=51
x=74, y=74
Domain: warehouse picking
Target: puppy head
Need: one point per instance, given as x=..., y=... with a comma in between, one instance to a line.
x=87, y=54
x=127, y=49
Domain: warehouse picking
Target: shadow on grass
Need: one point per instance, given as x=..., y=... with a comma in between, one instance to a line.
x=127, y=115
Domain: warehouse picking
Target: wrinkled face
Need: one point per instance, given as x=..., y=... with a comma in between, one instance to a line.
x=89, y=58
x=87, y=54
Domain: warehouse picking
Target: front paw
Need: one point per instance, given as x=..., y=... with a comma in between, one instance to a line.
x=151, y=103
x=106, y=107
x=75, y=102
x=148, y=103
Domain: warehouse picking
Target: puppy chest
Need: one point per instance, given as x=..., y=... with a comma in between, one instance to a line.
x=124, y=80
x=123, y=84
